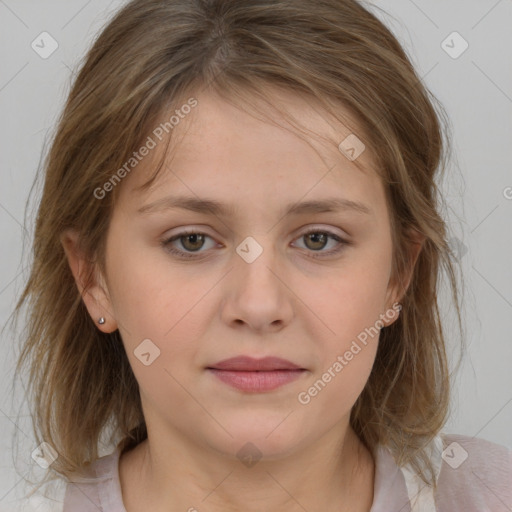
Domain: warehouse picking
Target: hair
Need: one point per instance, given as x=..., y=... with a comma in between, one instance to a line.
x=149, y=58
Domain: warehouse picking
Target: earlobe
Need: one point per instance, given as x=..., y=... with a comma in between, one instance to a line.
x=396, y=291
x=415, y=248
x=89, y=282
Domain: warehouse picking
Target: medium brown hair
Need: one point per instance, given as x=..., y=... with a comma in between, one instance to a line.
x=150, y=57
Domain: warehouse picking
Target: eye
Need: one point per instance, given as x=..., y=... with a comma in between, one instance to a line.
x=193, y=241
x=316, y=240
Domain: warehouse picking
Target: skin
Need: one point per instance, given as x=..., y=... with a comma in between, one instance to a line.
x=285, y=303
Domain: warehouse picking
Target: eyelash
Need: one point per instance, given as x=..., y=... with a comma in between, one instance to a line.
x=187, y=255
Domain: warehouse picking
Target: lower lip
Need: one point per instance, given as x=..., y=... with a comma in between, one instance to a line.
x=256, y=382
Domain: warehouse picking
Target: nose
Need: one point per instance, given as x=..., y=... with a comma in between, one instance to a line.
x=257, y=294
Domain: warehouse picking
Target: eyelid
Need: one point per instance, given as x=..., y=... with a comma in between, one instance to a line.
x=343, y=240
x=319, y=228
x=303, y=230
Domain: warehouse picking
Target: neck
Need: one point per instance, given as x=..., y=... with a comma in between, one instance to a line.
x=334, y=472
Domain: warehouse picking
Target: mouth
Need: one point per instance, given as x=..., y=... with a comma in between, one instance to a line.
x=250, y=364
x=256, y=375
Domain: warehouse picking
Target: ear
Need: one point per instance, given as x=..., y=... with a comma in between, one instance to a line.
x=397, y=290
x=95, y=292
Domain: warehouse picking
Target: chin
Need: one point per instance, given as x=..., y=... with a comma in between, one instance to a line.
x=258, y=441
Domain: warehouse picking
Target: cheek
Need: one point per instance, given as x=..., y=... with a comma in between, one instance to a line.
x=349, y=305
x=147, y=294
x=347, y=349
x=161, y=303
x=352, y=298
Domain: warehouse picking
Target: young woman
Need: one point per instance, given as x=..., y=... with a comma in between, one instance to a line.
x=236, y=267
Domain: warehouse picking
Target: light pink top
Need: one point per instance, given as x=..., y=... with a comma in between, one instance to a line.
x=473, y=475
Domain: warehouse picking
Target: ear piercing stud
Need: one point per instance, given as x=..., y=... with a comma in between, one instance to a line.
x=101, y=320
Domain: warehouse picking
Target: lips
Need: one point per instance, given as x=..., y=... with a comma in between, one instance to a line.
x=251, y=375
x=250, y=364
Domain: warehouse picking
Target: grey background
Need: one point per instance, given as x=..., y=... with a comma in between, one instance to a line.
x=475, y=89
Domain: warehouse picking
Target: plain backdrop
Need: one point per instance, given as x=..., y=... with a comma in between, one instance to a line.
x=473, y=83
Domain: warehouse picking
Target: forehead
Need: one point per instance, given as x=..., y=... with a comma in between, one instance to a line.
x=220, y=144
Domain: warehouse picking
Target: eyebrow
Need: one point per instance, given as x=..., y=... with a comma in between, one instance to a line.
x=214, y=207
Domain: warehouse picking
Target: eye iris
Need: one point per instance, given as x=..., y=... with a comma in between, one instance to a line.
x=194, y=237
x=317, y=238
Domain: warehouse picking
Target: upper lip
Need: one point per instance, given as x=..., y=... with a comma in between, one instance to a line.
x=246, y=363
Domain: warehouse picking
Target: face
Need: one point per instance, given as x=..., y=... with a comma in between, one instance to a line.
x=253, y=280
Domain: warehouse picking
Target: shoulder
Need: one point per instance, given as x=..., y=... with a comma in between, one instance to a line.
x=35, y=496
x=475, y=475
x=100, y=491
x=472, y=475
